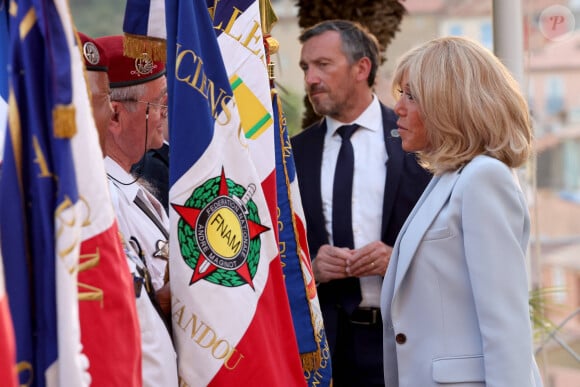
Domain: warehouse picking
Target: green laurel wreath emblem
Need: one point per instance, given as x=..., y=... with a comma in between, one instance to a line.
x=189, y=245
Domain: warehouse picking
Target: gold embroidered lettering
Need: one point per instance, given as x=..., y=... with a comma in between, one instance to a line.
x=201, y=83
x=206, y=337
x=40, y=159
x=24, y=368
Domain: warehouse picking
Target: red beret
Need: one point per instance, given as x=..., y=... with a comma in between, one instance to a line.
x=125, y=71
x=93, y=54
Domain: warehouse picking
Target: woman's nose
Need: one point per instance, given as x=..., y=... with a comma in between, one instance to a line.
x=398, y=108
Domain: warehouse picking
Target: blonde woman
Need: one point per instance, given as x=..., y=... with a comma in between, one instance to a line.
x=455, y=298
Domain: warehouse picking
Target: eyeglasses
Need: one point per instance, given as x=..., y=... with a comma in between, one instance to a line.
x=154, y=104
x=158, y=106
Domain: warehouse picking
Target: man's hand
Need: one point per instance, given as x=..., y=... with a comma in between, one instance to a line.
x=164, y=299
x=330, y=263
x=371, y=259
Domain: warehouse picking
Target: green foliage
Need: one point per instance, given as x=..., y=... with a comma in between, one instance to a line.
x=540, y=305
x=292, y=107
x=98, y=17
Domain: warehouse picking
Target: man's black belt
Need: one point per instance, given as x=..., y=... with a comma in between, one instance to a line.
x=366, y=316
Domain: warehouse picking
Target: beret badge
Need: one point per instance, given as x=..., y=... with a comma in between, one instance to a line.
x=144, y=65
x=91, y=53
x=128, y=71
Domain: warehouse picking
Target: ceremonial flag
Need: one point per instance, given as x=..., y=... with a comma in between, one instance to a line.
x=231, y=319
x=144, y=29
x=7, y=343
x=300, y=284
x=110, y=331
x=41, y=219
x=4, y=42
x=238, y=28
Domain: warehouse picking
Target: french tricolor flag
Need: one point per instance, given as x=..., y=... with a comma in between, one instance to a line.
x=65, y=271
x=7, y=343
x=8, y=374
x=231, y=318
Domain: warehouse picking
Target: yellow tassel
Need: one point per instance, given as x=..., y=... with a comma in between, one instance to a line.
x=64, y=119
x=273, y=45
x=135, y=45
x=311, y=361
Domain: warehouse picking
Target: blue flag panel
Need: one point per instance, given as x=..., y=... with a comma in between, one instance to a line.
x=37, y=180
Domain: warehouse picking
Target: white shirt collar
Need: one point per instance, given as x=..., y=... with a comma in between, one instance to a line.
x=371, y=119
x=117, y=174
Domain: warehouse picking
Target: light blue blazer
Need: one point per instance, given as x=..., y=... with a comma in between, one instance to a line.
x=455, y=297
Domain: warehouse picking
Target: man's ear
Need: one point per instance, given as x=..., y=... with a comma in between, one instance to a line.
x=115, y=123
x=116, y=107
x=363, y=68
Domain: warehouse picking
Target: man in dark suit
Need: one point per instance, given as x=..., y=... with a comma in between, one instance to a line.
x=358, y=186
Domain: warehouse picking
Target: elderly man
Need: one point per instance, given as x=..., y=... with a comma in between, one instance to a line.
x=97, y=64
x=111, y=274
x=138, y=98
x=138, y=94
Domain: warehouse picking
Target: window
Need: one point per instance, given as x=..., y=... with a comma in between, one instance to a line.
x=559, y=282
x=456, y=30
x=486, y=35
x=554, y=95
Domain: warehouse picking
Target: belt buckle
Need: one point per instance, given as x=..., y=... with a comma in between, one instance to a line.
x=371, y=316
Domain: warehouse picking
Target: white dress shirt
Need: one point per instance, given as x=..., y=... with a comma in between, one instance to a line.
x=368, y=186
x=133, y=222
x=158, y=357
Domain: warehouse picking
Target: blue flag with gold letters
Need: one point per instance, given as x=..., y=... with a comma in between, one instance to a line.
x=7, y=339
x=38, y=191
x=3, y=74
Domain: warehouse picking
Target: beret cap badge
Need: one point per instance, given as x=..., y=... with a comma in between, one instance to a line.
x=144, y=64
x=94, y=57
x=127, y=71
x=91, y=53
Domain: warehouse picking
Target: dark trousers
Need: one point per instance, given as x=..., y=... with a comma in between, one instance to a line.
x=357, y=359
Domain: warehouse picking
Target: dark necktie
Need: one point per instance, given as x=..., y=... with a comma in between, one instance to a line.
x=342, y=190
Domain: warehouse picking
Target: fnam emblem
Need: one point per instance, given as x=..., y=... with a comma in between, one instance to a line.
x=219, y=232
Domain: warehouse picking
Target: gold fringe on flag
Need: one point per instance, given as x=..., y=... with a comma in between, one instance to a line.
x=64, y=119
x=135, y=45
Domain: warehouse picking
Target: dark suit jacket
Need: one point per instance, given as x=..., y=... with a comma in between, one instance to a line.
x=405, y=183
x=154, y=167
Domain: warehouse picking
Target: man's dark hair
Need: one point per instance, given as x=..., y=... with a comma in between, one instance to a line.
x=357, y=42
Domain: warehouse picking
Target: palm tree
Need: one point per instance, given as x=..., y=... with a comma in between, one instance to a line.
x=381, y=17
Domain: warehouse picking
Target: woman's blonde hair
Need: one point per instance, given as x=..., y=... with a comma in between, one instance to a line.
x=469, y=102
